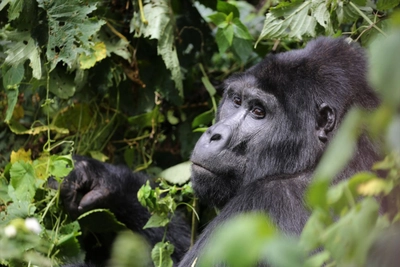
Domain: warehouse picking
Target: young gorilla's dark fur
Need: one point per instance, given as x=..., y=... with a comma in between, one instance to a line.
x=274, y=122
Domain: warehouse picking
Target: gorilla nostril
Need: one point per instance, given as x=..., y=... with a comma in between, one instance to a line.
x=215, y=137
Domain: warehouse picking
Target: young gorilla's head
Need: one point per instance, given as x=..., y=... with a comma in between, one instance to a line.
x=278, y=117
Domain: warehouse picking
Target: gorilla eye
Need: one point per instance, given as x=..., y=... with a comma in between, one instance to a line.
x=237, y=101
x=258, y=112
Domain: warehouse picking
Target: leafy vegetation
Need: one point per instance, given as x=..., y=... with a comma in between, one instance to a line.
x=135, y=82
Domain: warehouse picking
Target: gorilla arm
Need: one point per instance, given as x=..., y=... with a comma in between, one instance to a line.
x=93, y=184
x=281, y=199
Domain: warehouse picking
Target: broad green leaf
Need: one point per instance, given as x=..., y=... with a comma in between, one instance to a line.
x=242, y=48
x=62, y=84
x=14, y=9
x=161, y=26
x=375, y=187
x=291, y=21
x=239, y=242
x=321, y=14
x=21, y=155
x=315, y=226
x=224, y=38
x=12, y=76
x=98, y=155
x=178, y=174
x=147, y=119
x=120, y=48
x=384, y=70
x=204, y=118
x=12, y=97
x=349, y=239
x=67, y=242
x=70, y=30
x=161, y=254
x=227, y=8
x=171, y=117
x=25, y=48
x=23, y=181
x=97, y=54
x=359, y=2
x=17, y=209
x=123, y=246
x=218, y=18
x=241, y=31
x=387, y=4
x=100, y=221
x=60, y=166
x=157, y=220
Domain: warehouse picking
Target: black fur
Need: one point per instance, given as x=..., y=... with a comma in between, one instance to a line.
x=274, y=122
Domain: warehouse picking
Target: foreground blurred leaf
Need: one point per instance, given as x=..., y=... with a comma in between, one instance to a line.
x=130, y=250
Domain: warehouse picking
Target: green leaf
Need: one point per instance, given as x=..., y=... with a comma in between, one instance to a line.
x=239, y=242
x=224, y=38
x=387, y=4
x=321, y=14
x=98, y=53
x=241, y=31
x=178, y=174
x=289, y=21
x=70, y=30
x=315, y=226
x=100, y=221
x=25, y=48
x=123, y=246
x=62, y=84
x=161, y=26
x=60, y=166
x=12, y=76
x=161, y=254
x=12, y=98
x=14, y=9
x=23, y=181
x=227, y=8
x=385, y=68
x=17, y=209
x=242, y=48
x=204, y=118
x=157, y=220
x=218, y=18
x=349, y=239
x=359, y=2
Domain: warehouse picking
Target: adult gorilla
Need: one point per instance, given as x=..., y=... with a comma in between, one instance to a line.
x=273, y=124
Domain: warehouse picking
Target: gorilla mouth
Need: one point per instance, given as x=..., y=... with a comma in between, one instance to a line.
x=199, y=167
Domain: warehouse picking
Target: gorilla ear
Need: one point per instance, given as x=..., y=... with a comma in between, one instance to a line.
x=326, y=121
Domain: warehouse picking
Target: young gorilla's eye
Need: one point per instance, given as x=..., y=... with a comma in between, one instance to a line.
x=237, y=101
x=258, y=112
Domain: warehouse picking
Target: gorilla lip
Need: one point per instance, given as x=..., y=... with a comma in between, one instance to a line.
x=196, y=165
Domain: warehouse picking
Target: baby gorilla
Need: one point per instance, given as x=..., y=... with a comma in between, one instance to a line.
x=273, y=124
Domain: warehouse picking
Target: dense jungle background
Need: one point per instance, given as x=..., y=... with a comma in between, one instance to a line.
x=136, y=82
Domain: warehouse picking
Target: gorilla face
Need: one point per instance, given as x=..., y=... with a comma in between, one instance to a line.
x=222, y=155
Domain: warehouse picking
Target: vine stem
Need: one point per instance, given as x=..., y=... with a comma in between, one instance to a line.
x=366, y=18
x=142, y=17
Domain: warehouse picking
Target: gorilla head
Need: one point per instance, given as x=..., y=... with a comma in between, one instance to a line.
x=278, y=117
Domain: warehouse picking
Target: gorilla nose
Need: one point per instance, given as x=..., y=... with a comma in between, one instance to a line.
x=218, y=135
x=215, y=137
